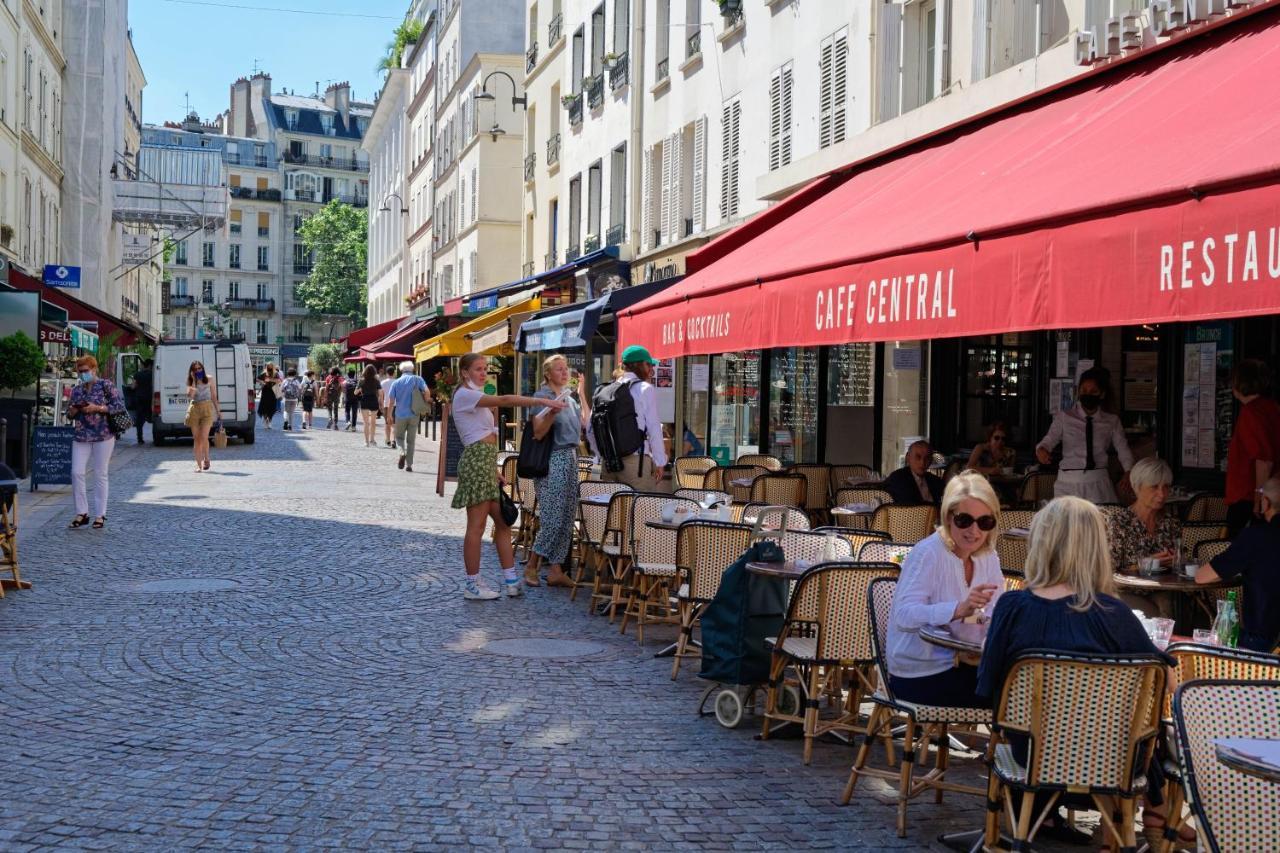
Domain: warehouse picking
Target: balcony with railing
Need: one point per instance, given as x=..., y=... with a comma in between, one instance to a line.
x=663, y=70
x=299, y=339
x=549, y=262
x=249, y=305
x=553, y=150
x=531, y=58
x=555, y=30
x=594, y=87
x=325, y=161
x=575, y=110
x=346, y=198
x=182, y=300
x=303, y=268
x=572, y=254
x=530, y=166
x=731, y=11
x=591, y=243
x=527, y=270
x=615, y=235
x=619, y=72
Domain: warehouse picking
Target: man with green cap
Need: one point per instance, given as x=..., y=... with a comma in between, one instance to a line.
x=643, y=467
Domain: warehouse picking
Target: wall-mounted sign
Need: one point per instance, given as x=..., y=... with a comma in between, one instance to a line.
x=135, y=248
x=50, y=335
x=56, y=275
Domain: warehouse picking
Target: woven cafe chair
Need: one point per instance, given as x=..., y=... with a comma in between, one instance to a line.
x=905, y=523
x=705, y=496
x=704, y=550
x=817, y=494
x=1035, y=487
x=825, y=638
x=884, y=551
x=810, y=546
x=845, y=476
x=1234, y=810
x=586, y=468
x=1204, y=552
x=1193, y=533
x=770, y=516
x=690, y=472
x=731, y=473
x=871, y=496
x=652, y=562
x=592, y=522
x=1050, y=699
x=1110, y=512
x=779, y=489
x=606, y=593
x=763, y=460
x=1013, y=581
x=923, y=723
x=1207, y=508
x=507, y=467
x=1197, y=662
x=527, y=528
x=713, y=479
x=855, y=538
x=1012, y=551
x=9, y=537
x=1013, y=519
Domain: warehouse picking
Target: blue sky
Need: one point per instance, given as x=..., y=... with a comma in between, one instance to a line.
x=188, y=47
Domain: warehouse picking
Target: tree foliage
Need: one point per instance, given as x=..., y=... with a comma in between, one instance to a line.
x=21, y=362
x=324, y=356
x=406, y=34
x=338, y=237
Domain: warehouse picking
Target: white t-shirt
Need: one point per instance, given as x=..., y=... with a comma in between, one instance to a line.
x=474, y=423
x=386, y=386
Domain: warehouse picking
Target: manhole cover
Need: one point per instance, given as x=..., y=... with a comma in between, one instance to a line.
x=541, y=647
x=188, y=585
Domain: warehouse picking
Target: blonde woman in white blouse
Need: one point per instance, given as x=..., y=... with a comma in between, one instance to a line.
x=952, y=574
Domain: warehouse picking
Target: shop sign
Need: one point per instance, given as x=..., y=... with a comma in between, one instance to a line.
x=490, y=340
x=82, y=338
x=135, y=248
x=482, y=303
x=54, y=336
x=56, y=275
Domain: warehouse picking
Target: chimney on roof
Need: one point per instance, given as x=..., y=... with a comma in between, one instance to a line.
x=238, y=116
x=259, y=95
x=338, y=97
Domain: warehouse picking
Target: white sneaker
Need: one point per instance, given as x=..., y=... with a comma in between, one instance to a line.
x=479, y=591
x=515, y=588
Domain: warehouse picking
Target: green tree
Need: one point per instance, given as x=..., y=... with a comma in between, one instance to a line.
x=324, y=356
x=338, y=237
x=406, y=34
x=21, y=362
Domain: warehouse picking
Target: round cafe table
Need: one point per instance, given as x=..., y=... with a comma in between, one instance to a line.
x=964, y=637
x=1255, y=756
x=791, y=570
x=1172, y=581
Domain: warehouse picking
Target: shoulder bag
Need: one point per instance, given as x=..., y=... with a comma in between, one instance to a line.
x=421, y=407
x=535, y=454
x=118, y=420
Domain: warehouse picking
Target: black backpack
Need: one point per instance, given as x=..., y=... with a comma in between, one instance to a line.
x=615, y=424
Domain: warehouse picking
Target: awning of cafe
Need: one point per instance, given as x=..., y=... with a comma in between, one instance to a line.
x=571, y=326
x=74, y=310
x=362, y=337
x=394, y=346
x=1146, y=192
x=457, y=341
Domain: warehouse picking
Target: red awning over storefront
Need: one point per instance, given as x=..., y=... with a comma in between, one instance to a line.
x=103, y=324
x=399, y=341
x=369, y=334
x=1149, y=192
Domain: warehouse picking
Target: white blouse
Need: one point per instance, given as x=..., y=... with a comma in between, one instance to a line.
x=474, y=423
x=929, y=587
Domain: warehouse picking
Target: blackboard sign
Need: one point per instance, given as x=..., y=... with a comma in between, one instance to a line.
x=453, y=450
x=51, y=455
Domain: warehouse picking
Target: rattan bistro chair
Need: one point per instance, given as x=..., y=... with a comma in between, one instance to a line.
x=848, y=475
x=763, y=460
x=817, y=495
x=1036, y=486
x=704, y=550
x=593, y=521
x=1012, y=551
x=1235, y=811
x=855, y=538
x=614, y=561
x=9, y=537
x=706, y=497
x=779, y=489
x=884, y=551
x=507, y=467
x=690, y=471
x=905, y=523
x=873, y=497
x=1050, y=699
x=826, y=637
x=652, y=554
x=732, y=475
x=526, y=531
x=924, y=723
x=1207, y=508
x=1013, y=519
x=772, y=517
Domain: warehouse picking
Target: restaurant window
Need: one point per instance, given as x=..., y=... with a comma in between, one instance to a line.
x=697, y=398
x=905, y=400
x=735, y=405
x=793, y=404
x=851, y=400
x=998, y=378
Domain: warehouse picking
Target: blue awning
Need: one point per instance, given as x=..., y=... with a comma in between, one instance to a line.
x=487, y=300
x=571, y=326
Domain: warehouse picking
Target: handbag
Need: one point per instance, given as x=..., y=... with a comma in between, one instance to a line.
x=118, y=419
x=219, y=437
x=535, y=454
x=191, y=414
x=510, y=512
x=421, y=407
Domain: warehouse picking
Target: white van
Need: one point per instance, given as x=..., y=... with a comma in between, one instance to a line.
x=228, y=361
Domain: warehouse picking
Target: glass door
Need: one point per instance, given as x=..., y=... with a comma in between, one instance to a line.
x=735, y=405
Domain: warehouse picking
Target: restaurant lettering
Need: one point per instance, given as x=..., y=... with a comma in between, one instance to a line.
x=1228, y=258
x=896, y=299
x=701, y=327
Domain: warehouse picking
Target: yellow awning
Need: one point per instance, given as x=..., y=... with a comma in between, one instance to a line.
x=456, y=341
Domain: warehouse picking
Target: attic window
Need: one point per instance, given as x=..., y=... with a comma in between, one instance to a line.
x=291, y=116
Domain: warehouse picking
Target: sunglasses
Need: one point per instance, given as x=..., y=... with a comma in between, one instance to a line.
x=997, y=437
x=964, y=521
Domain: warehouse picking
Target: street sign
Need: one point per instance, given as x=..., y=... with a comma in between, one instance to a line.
x=62, y=276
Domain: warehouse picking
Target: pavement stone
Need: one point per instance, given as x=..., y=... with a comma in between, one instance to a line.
x=340, y=695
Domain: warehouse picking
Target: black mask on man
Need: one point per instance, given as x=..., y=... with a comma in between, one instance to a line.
x=1090, y=401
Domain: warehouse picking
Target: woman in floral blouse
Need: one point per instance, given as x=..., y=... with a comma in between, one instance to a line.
x=89, y=403
x=1145, y=529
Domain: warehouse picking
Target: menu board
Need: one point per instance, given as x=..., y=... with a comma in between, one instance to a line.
x=1140, y=375
x=1207, y=410
x=51, y=455
x=851, y=371
x=664, y=379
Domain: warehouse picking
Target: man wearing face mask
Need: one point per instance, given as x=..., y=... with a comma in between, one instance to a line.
x=1085, y=432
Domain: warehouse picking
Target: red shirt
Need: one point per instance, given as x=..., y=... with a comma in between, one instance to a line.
x=1256, y=437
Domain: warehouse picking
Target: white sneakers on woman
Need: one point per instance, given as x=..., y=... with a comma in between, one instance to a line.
x=478, y=590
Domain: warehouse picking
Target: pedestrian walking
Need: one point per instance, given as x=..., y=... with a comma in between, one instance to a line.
x=627, y=408
x=389, y=412
x=478, y=479
x=89, y=404
x=333, y=395
x=351, y=397
x=558, y=491
x=268, y=399
x=310, y=390
x=399, y=404
x=370, y=404
x=202, y=411
x=291, y=391
x=143, y=388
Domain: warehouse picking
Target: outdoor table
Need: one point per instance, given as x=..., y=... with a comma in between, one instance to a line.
x=859, y=515
x=742, y=482
x=1172, y=581
x=1017, y=533
x=791, y=570
x=598, y=500
x=964, y=637
x=1255, y=756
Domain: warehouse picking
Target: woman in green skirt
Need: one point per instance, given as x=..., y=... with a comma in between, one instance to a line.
x=478, y=480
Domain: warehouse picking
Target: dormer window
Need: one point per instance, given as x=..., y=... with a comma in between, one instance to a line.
x=291, y=118
x=326, y=120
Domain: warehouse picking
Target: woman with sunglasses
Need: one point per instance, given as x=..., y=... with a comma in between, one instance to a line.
x=953, y=574
x=993, y=455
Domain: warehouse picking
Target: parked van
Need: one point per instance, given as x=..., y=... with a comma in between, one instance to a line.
x=227, y=362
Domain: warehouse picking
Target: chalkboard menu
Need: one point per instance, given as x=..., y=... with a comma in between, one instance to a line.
x=453, y=449
x=51, y=455
x=851, y=375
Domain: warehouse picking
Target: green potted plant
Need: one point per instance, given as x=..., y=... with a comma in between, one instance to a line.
x=569, y=100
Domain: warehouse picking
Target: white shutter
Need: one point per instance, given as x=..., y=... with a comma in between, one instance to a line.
x=944, y=47
x=475, y=205
x=677, y=186
x=785, y=136
x=646, y=200
x=775, y=119
x=824, y=93
x=475, y=269
x=726, y=159
x=839, y=86
x=889, y=42
x=699, y=174
x=981, y=39
x=732, y=145
x=665, y=223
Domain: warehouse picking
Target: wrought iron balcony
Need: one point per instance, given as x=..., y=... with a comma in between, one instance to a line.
x=615, y=235
x=619, y=73
x=572, y=254
x=530, y=166
x=326, y=161
x=527, y=270
x=240, y=192
x=594, y=87
x=264, y=232
x=531, y=58
x=182, y=300
x=553, y=149
x=250, y=305
x=299, y=339
x=549, y=262
x=591, y=243
x=302, y=269
x=732, y=12
x=267, y=195
x=555, y=29
x=663, y=70
x=694, y=45
x=575, y=111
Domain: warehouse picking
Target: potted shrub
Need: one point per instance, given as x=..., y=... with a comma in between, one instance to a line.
x=6, y=234
x=569, y=100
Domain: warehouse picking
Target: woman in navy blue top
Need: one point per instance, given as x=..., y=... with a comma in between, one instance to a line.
x=1067, y=606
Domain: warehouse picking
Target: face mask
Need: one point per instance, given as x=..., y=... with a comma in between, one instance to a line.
x=1090, y=401
x=200, y=375
x=86, y=376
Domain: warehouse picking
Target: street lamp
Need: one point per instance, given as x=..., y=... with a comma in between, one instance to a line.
x=386, y=203
x=485, y=95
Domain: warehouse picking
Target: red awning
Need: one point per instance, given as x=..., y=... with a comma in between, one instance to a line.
x=401, y=339
x=369, y=334
x=78, y=311
x=1144, y=193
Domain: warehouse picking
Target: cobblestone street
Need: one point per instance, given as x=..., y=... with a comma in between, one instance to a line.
x=333, y=688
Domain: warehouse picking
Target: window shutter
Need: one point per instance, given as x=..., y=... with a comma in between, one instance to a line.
x=676, y=225
x=775, y=119
x=475, y=268
x=825, y=92
x=981, y=39
x=785, y=131
x=665, y=216
x=699, y=174
x=646, y=187
x=726, y=165
x=737, y=147
x=839, y=86
x=889, y=38
x=475, y=205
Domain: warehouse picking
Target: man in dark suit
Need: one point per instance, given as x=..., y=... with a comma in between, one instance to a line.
x=143, y=387
x=913, y=484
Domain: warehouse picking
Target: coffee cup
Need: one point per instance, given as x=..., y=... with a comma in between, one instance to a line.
x=1190, y=569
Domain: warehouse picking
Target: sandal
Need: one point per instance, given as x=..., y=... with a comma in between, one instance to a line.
x=79, y=521
x=99, y=523
x=206, y=464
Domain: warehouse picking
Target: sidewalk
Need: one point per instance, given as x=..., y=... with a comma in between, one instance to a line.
x=53, y=502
